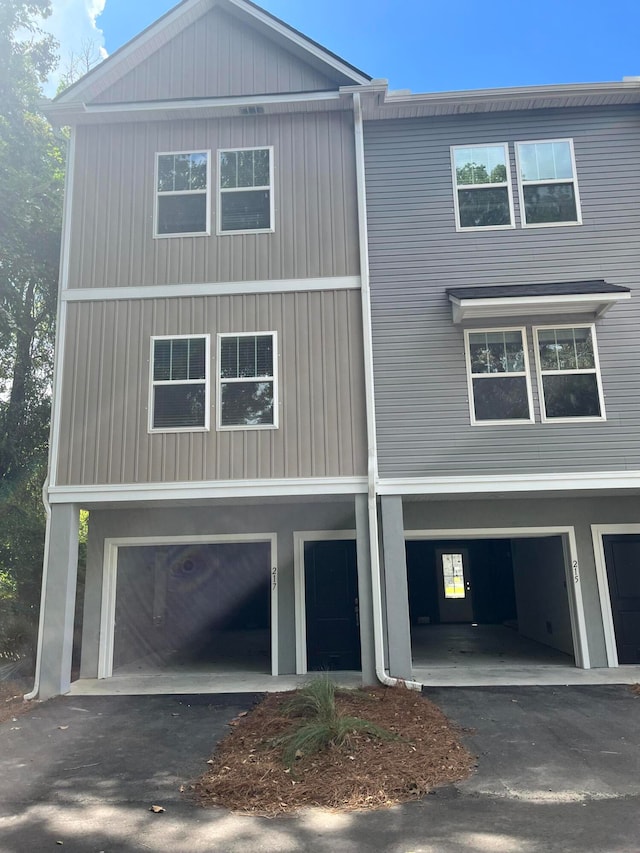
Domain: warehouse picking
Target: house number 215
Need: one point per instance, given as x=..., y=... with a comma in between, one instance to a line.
x=576, y=574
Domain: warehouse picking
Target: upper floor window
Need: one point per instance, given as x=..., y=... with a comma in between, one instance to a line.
x=179, y=385
x=498, y=376
x=482, y=186
x=245, y=190
x=247, y=386
x=568, y=373
x=547, y=183
x=182, y=194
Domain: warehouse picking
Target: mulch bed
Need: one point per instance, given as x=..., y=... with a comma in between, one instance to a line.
x=246, y=773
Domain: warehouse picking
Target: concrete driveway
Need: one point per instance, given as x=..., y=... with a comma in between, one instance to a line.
x=559, y=770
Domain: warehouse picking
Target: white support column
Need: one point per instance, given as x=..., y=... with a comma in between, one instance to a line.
x=397, y=593
x=58, y=601
x=365, y=593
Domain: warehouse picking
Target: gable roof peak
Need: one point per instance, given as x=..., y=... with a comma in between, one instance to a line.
x=159, y=33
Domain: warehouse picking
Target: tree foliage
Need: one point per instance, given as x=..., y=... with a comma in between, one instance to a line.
x=31, y=177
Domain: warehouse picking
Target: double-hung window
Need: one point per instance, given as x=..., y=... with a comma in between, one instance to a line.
x=568, y=373
x=179, y=384
x=247, y=382
x=482, y=192
x=245, y=190
x=547, y=183
x=182, y=194
x=498, y=376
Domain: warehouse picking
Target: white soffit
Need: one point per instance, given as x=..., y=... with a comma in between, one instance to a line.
x=487, y=307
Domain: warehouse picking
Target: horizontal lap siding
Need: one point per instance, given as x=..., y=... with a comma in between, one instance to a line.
x=415, y=254
x=104, y=434
x=112, y=242
x=216, y=56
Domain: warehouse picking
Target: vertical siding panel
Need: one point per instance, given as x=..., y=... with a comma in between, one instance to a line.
x=304, y=425
x=233, y=59
x=289, y=367
x=315, y=215
x=104, y=431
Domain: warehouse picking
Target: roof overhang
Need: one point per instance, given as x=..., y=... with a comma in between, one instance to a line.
x=592, y=298
x=195, y=108
x=123, y=60
x=379, y=102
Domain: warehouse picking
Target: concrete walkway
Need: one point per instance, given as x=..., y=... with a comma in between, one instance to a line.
x=558, y=772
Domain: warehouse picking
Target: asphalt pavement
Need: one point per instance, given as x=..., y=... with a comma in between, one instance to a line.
x=558, y=770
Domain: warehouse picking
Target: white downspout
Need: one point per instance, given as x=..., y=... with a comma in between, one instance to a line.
x=372, y=450
x=54, y=436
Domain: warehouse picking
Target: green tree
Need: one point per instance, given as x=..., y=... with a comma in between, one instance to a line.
x=31, y=177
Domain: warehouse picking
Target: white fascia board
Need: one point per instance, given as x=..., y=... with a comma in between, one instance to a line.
x=169, y=25
x=579, y=90
x=220, y=288
x=519, y=306
x=300, y=41
x=233, y=102
x=136, y=50
x=510, y=483
x=218, y=489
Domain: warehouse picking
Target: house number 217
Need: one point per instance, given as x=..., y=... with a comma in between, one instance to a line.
x=274, y=577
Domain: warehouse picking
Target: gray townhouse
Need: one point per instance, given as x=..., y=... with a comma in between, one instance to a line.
x=209, y=401
x=344, y=377
x=504, y=257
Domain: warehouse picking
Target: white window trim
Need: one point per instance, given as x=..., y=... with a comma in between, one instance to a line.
x=220, y=191
x=205, y=381
x=506, y=183
x=595, y=369
x=521, y=184
x=526, y=372
x=220, y=381
x=207, y=193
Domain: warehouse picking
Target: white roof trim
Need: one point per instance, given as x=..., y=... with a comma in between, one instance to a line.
x=510, y=483
x=595, y=304
x=159, y=33
x=208, y=490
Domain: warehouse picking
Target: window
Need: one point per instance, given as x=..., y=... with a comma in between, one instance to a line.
x=453, y=576
x=568, y=373
x=247, y=395
x=179, y=388
x=498, y=376
x=547, y=183
x=245, y=197
x=482, y=186
x=182, y=194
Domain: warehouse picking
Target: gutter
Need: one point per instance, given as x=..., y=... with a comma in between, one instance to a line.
x=372, y=450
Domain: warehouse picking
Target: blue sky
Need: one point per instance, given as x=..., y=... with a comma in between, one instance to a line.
x=422, y=45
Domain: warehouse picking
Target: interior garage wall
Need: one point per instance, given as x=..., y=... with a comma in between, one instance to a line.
x=541, y=593
x=280, y=518
x=544, y=511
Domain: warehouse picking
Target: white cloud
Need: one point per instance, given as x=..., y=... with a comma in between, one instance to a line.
x=73, y=24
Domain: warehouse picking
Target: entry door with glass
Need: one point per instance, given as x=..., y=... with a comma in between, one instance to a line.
x=452, y=571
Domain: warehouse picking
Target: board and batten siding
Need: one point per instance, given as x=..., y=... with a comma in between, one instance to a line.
x=316, y=229
x=104, y=437
x=216, y=56
x=422, y=404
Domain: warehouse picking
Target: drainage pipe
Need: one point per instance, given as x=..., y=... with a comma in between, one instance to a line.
x=372, y=450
